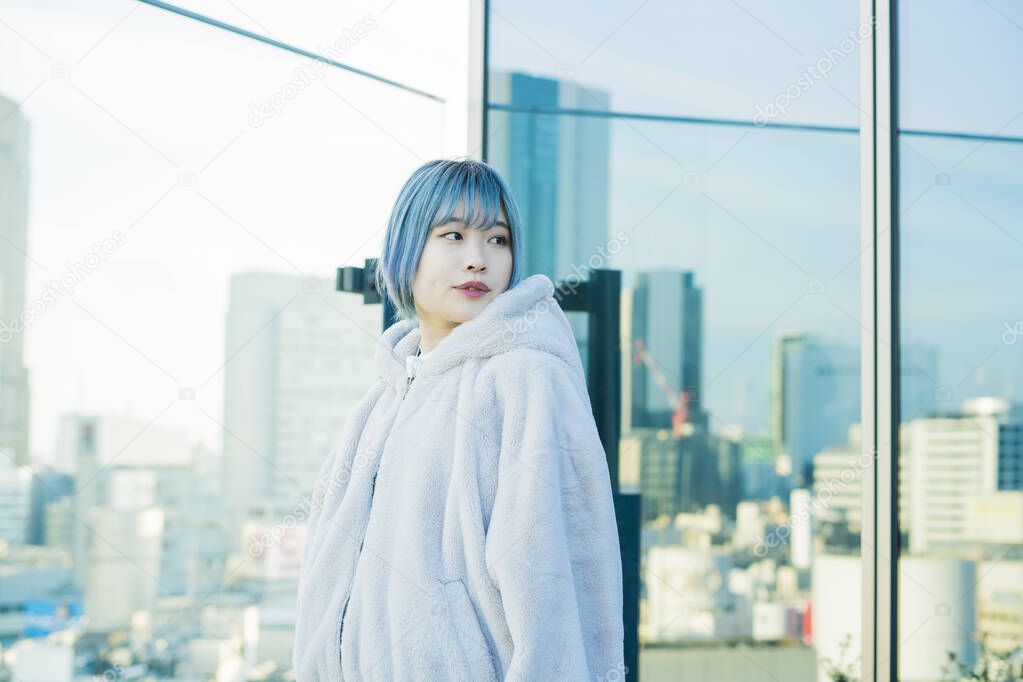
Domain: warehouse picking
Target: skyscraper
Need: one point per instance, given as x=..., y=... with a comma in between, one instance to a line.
x=556, y=165
x=15, y=502
x=815, y=396
x=946, y=460
x=102, y=449
x=558, y=168
x=14, y=178
x=667, y=318
x=299, y=356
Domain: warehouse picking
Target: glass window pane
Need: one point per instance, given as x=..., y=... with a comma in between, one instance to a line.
x=388, y=39
x=174, y=202
x=739, y=248
x=961, y=242
x=796, y=61
x=973, y=50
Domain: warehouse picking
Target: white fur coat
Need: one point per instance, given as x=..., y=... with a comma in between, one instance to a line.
x=467, y=531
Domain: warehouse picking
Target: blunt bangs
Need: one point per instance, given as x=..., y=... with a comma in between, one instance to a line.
x=430, y=198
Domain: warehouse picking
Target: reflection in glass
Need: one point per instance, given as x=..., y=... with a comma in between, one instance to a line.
x=740, y=363
x=961, y=434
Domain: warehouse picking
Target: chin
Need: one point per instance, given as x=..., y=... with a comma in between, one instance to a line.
x=467, y=313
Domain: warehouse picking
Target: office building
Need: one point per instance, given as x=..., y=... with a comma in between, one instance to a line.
x=815, y=396
x=16, y=315
x=299, y=357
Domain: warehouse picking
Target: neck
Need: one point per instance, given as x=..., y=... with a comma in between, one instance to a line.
x=432, y=334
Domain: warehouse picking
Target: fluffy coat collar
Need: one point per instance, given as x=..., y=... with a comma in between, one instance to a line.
x=525, y=315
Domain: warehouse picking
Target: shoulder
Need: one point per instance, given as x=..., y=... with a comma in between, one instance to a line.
x=530, y=375
x=522, y=359
x=519, y=366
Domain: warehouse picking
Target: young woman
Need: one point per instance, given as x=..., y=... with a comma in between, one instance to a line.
x=463, y=526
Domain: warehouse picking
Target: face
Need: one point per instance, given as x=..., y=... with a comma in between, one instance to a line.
x=453, y=255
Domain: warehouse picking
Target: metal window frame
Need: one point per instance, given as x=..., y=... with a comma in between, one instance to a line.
x=478, y=79
x=879, y=347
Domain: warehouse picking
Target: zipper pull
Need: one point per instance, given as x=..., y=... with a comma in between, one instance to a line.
x=411, y=368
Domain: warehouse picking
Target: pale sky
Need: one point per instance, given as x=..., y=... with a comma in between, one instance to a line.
x=148, y=96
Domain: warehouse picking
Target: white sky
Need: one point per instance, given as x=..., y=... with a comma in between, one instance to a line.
x=150, y=95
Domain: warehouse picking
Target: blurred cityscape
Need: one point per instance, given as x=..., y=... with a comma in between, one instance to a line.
x=139, y=550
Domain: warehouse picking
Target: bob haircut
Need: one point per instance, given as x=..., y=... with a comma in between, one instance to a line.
x=428, y=199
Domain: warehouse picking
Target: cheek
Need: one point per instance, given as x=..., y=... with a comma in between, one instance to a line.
x=431, y=259
x=506, y=259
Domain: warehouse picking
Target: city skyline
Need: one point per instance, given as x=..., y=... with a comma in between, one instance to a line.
x=180, y=193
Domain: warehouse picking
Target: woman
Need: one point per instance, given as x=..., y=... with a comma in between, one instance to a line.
x=463, y=526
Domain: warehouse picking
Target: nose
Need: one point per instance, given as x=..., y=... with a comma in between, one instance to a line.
x=475, y=261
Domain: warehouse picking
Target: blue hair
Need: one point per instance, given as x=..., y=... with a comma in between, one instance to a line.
x=428, y=199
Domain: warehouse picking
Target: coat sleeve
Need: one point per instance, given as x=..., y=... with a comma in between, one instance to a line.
x=552, y=540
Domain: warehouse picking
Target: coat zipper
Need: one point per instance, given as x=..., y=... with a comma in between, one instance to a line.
x=362, y=542
x=340, y=628
x=408, y=380
x=348, y=599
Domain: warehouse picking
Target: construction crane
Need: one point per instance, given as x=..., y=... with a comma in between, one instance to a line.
x=680, y=423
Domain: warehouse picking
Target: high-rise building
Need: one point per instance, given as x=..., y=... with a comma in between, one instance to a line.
x=14, y=178
x=725, y=464
x=124, y=565
x=150, y=470
x=48, y=486
x=683, y=467
x=193, y=533
x=299, y=357
x=667, y=319
x=759, y=474
x=15, y=502
x=1010, y=452
x=947, y=465
x=688, y=467
x=948, y=460
x=558, y=168
x=686, y=474
x=659, y=462
x=815, y=396
x=837, y=491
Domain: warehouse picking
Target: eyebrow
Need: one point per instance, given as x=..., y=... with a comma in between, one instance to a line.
x=499, y=223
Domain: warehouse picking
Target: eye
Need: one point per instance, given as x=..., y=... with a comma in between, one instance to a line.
x=445, y=235
x=504, y=240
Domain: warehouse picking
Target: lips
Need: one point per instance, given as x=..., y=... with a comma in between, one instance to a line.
x=473, y=285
